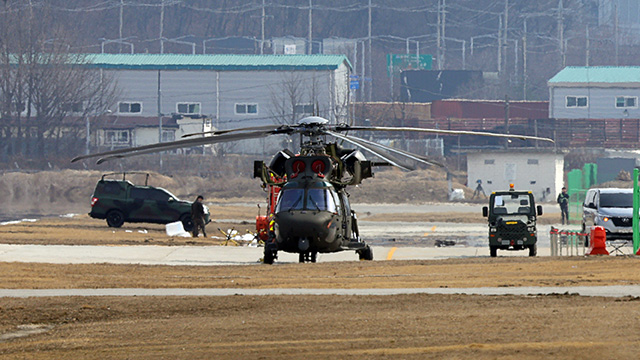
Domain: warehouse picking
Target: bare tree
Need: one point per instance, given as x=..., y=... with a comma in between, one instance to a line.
x=45, y=90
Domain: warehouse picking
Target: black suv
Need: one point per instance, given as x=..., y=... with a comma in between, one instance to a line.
x=120, y=201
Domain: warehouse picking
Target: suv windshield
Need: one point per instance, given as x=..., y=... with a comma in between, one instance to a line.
x=511, y=204
x=620, y=200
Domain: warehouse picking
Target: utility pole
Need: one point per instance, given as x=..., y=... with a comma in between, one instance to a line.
x=615, y=30
x=505, y=34
x=561, y=30
x=370, y=85
x=586, y=60
x=499, y=45
x=262, y=28
x=310, y=27
x=524, y=61
x=362, y=70
x=438, y=39
x=444, y=35
x=159, y=116
x=121, y=23
x=161, y=30
x=506, y=119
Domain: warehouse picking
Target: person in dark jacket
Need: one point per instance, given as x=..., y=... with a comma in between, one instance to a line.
x=197, y=216
x=563, y=200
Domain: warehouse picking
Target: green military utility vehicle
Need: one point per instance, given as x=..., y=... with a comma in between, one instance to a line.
x=120, y=201
x=512, y=221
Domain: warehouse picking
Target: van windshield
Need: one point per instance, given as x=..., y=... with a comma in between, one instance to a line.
x=512, y=205
x=619, y=200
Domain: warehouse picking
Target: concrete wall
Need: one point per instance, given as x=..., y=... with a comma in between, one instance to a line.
x=498, y=169
x=601, y=103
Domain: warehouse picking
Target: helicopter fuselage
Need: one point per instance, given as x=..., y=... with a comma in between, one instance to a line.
x=310, y=217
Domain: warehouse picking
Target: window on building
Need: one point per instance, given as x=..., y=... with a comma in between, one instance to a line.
x=246, y=108
x=489, y=162
x=626, y=101
x=129, y=107
x=577, y=101
x=304, y=109
x=116, y=137
x=532, y=161
x=168, y=135
x=188, y=108
x=75, y=107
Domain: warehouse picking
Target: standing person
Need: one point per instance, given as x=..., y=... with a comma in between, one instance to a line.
x=563, y=200
x=479, y=190
x=197, y=216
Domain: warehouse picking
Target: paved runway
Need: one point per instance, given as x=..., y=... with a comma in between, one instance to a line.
x=219, y=255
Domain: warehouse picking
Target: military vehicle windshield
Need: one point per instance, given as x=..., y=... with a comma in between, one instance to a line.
x=512, y=204
x=619, y=200
x=318, y=199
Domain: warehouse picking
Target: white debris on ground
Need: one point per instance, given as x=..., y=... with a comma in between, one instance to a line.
x=232, y=234
x=14, y=222
x=69, y=215
x=176, y=229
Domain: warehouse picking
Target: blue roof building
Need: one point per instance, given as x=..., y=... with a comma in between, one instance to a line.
x=598, y=92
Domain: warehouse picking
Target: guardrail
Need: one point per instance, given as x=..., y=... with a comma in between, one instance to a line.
x=567, y=242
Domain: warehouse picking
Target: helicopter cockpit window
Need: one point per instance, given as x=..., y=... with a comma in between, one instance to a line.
x=320, y=199
x=290, y=199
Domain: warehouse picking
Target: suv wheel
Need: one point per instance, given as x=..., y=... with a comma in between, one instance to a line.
x=115, y=218
x=187, y=223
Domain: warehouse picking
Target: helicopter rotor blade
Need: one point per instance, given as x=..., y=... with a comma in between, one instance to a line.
x=147, y=149
x=442, y=132
x=220, y=132
x=396, y=151
x=367, y=148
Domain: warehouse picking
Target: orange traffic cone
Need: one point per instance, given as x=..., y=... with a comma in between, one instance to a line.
x=597, y=241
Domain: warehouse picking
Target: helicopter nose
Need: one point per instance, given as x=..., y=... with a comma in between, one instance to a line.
x=306, y=230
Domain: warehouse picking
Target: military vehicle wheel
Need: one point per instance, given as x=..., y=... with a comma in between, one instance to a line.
x=366, y=253
x=187, y=223
x=493, y=251
x=115, y=218
x=586, y=237
x=533, y=250
x=269, y=254
x=301, y=257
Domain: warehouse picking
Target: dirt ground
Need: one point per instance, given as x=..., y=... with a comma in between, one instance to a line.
x=311, y=327
x=49, y=193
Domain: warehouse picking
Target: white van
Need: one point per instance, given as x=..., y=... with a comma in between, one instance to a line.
x=611, y=209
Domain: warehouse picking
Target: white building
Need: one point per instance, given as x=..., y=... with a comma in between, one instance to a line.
x=540, y=172
x=233, y=90
x=597, y=92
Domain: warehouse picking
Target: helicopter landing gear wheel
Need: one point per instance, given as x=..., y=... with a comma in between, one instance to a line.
x=366, y=253
x=270, y=253
x=309, y=256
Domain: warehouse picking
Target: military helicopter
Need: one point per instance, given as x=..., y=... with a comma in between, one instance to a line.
x=309, y=210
